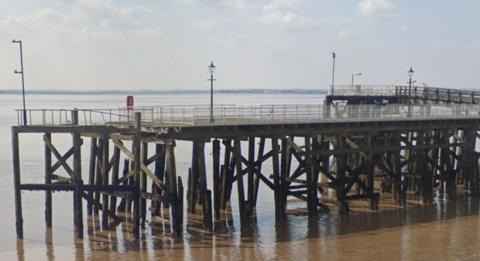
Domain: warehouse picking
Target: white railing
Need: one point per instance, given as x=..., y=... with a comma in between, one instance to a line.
x=255, y=114
x=363, y=90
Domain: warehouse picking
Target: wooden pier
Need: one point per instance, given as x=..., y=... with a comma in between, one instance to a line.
x=359, y=152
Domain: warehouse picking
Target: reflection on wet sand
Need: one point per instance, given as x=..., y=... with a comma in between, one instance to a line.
x=444, y=230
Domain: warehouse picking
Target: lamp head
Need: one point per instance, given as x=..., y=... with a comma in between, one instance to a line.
x=211, y=67
x=411, y=72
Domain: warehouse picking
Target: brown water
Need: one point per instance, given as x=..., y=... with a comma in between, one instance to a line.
x=445, y=230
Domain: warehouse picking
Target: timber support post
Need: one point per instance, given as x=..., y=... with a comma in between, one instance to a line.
x=77, y=178
x=48, y=180
x=16, y=182
x=136, y=180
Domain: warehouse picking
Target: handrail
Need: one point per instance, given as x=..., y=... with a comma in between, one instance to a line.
x=416, y=92
x=251, y=114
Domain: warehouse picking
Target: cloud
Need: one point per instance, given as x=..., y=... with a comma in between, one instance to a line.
x=372, y=7
x=344, y=34
x=236, y=4
x=280, y=13
x=80, y=16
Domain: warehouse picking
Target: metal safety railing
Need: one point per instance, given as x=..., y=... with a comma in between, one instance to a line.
x=439, y=94
x=414, y=92
x=363, y=90
x=254, y=114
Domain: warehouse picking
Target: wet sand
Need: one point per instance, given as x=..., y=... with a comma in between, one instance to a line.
x=446, y=230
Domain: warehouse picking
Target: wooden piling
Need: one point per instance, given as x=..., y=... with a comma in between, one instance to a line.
x=194, y=178
x=136, y=144
x=180, y=200
x=16, y=183
x=469, y=162
x=91, y=171
x=171, y=175
x=250, y=175
x=98, y=172
x=341, y=160
x=207, y=215
x=369, y=168
x=143, y=186
x=284, y=172
x=241, y=193
x=48, y=180
x=226, y=175
x=208, y=211
x=115, y=172
x=105, y=177
x=216, y=177
x=77, y=178
x=261, y=148
x=279, y=206
x=312, y=196
x=160, y=174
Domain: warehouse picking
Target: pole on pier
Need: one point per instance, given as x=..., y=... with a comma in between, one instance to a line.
x=410, y=83
x=23, y=80
x=211, y=68
x=333, y=74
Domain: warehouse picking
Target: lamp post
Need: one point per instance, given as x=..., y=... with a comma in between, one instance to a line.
x=23, y=80
x=211, y=68
x=353, y=77
x=410, y=83
x=333, y=73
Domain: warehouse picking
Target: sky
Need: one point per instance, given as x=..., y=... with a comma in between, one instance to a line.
x=168, y=44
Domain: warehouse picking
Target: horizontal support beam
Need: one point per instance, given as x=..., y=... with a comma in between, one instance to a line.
x=71, y=187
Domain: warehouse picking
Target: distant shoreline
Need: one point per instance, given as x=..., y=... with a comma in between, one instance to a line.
x=151, y=91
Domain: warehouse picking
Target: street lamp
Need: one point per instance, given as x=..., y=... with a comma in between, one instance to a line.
x=353, y=77
x=211, y=69
x=333, y=73
x=23, y=80
x=410, y=82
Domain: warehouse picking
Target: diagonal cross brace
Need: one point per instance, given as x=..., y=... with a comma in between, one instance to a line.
x=144, y=168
